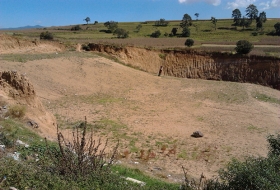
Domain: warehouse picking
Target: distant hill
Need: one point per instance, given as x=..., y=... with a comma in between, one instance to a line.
x=23, y=27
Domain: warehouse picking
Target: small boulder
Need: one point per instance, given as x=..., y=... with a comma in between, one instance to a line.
x=33, y=124
x=197, y=134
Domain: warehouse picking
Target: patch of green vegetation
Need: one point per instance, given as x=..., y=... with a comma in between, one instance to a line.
x=183, y=154
x=36, y=168
x=200, y=118
x=14, y=130
x=227, y=148
x=32, y=57
x=151, y=183
x=229, y=93
x=162, y=56
x=266, y=98
x=194, y=155
x=253, y=128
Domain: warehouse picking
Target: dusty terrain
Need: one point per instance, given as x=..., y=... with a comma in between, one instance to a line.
x=154, y=114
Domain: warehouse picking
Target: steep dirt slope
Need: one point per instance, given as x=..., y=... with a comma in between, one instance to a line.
x=15, y=89
x=147, y=111
x=191, y=64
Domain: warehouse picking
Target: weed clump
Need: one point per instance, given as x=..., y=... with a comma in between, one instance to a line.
x=16, y=111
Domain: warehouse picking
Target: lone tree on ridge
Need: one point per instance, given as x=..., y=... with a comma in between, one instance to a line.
x=87, y=19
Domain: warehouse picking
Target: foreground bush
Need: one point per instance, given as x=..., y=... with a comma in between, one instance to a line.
x=81, y=164
x=253, y=173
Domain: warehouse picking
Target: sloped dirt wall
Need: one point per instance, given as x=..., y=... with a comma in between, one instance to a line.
x=190, y=64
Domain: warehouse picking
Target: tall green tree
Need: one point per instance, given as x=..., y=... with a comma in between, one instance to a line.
x=161, y=22
x=197, y=15
x=214, y=21
x=245, y=22
x=138, y=27
x=111, y=25
x=87, y=19
x=186, y=21
x=277, y=28
x=252, y=12
x=186, y=32
x=260, y=20
x=236, y=15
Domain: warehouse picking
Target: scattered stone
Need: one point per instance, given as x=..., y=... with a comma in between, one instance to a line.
x=197, y=134
x=19, y=142
x=2, y=148
x=15, y=155
x=136, y=181
x=157, y=168
x=12, y=188
x=33, y=124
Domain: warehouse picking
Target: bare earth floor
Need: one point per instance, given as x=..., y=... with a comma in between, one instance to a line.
x=155, y=114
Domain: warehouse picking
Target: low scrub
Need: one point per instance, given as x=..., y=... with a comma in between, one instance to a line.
x=252, y=174
x=16, y=111
x=46, y=35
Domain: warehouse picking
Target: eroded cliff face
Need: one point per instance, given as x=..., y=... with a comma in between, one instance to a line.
x=190, y=64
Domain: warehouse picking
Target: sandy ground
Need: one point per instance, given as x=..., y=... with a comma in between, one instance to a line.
x=151, y=113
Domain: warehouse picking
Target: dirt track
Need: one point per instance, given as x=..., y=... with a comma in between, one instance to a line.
x=153, y=111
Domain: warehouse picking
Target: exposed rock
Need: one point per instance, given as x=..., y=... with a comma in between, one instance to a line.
x=16, y=89
x=19, y=142
x=2, y=148
x=33, y=124
x=12, y=188
x=197, y=134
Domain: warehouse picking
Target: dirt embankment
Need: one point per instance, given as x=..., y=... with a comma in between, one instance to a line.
x=12, y=44
x=190, y=64
x=15, y=89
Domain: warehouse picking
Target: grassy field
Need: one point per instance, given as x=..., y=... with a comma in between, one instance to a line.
x=202, y=31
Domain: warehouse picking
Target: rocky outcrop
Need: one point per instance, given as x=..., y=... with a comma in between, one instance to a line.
x=184, y=63
x=17, y=85
x=16, y=89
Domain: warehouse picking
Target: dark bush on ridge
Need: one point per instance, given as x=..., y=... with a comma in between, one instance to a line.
x=46, y=36
x=244, y=47
x=189, y=42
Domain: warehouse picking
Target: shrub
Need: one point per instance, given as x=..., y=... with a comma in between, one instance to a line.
x=156, y=34
x=77, y=27
x=16, y=111
x=186, y=32
x=244, y=47
x=277, y=28
x=121, y=33
x=46, y=35
x=189, y=42
x=85, y=47
x=82, y=157
x=274, y=144
x=253, y=173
